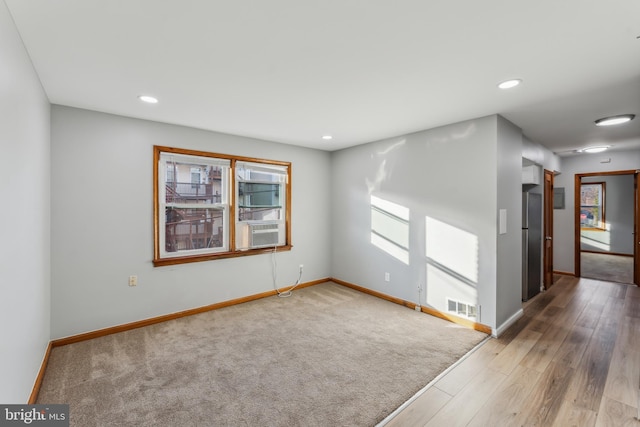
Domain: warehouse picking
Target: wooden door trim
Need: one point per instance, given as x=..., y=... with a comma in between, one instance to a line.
x=547, y=262
x=576, y=223
x=636, y=219
x=636, y=229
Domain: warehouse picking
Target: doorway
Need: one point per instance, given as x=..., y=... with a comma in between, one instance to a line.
x=547, y=243
x=606, y=226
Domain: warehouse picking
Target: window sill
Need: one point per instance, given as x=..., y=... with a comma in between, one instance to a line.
x=160, y=262
x=592, y=229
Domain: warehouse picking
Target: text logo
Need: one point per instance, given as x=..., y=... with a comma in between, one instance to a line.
x=34, y=415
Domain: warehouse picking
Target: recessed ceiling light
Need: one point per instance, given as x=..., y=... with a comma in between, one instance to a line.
x=599, y=149
x=615, y=120
x=327, y=137
x=508, y=84
x=148, y=99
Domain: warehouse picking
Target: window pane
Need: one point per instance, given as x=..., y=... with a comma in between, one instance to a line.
x=260, y=172
x=259, y=214
x=195, y=177
x=259, y=201
x=261, y=191
x=589, y=216
x=194, y=182
x=170, y=175
x=592, y=205
x=193, y=228
x=590, y=195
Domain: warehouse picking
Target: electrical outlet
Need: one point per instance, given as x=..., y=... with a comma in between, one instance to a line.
x=133, y=280
x=387, y=277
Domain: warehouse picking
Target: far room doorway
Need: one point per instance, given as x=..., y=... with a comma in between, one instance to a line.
x=606, y=226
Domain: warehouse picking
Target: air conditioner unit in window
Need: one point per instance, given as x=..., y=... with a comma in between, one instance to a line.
x=262, y=235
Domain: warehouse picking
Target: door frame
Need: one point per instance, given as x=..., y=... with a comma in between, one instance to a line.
x=636, y=230
x=547, y=236
x=636, y=219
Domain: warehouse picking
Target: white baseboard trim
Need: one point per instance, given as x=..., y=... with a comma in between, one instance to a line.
x=495, y=332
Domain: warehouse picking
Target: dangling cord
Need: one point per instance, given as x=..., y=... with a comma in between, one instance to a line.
x=274, y=273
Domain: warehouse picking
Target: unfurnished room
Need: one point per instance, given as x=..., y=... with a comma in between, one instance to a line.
x=285, y=213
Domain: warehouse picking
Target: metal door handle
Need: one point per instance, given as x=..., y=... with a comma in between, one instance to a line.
x=549, y=238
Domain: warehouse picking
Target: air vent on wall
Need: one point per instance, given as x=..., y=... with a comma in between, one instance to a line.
x=461, y=309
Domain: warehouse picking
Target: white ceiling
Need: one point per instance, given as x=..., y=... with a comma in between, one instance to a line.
x=361, y=70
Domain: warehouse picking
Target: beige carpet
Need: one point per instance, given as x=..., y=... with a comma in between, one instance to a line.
x=327, y=356
x=612, y=268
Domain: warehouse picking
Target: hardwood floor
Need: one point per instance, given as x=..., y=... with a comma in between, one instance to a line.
x=573, y=359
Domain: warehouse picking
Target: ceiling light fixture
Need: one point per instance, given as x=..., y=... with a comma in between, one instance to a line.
x=615, y=120
x=508, y=84
x=148, y=99
x=327, y=137
x=598, y=149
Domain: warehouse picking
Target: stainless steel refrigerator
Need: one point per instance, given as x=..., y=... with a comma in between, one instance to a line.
x=531, y=244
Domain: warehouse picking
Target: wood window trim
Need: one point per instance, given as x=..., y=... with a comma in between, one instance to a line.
x=159, y=261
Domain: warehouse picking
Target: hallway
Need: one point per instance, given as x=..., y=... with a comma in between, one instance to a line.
x=572, y=359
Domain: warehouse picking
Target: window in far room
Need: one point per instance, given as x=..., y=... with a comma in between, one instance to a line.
x=592, y=206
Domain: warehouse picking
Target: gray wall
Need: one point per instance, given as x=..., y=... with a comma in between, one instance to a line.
x=102, y=223
x=509, y=273
x=563, y=219
x=24, y=217
x=535, y=153
x=448, y=178
x=618, y=237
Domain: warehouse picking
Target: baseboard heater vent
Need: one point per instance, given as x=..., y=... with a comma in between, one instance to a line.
x=461, y=309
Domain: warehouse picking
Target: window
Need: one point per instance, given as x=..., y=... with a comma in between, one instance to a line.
x=195, y=177
x=211, y=206
x=260, y=204
x=170, y=174
x=592, y=206
x=193, y=214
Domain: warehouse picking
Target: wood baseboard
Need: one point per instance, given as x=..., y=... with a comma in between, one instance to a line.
x=428, y=310
x=38, y=383
x=375, y=293
x=146, y=322
x=151, y=321
x=606, y=253
x=564, y=273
